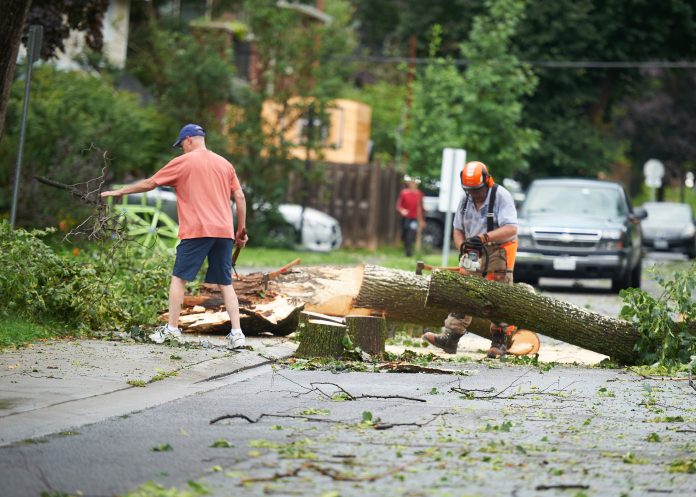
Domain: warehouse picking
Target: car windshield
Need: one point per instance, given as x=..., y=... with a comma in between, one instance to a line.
x=658, y=213
x=573, y=199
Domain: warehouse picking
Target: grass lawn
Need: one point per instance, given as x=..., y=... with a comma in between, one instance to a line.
x=15, y=331
x=390, y=257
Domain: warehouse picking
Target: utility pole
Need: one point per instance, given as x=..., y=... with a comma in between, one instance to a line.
x=33, y=53
x=308, y=167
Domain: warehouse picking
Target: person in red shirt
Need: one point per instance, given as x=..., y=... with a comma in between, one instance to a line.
x=409, y=205
x=204, y=182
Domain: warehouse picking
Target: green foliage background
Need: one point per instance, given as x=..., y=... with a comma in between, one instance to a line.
x=479, y=109
x=69, y=113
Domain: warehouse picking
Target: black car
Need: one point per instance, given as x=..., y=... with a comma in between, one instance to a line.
x=579, y=228
x=670, y=227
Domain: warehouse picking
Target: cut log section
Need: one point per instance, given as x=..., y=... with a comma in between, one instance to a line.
x=320, y=338
x=368, y=332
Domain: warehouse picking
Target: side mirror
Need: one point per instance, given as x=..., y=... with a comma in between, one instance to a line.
x=639, y=213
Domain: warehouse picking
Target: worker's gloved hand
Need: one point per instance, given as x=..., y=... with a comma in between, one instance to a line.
x=474, y=243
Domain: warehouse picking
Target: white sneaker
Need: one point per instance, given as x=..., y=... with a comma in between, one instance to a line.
x=163, y=333
x=235, y=340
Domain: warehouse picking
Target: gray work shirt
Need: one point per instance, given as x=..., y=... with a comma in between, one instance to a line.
x=473, y=222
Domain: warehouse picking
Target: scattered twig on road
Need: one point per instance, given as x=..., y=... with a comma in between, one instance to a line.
x=332, y=473
x=376, y=425
x=350, y=396
x=561, y=486
x=545, y=391
x=265, y=415
x=345, y=395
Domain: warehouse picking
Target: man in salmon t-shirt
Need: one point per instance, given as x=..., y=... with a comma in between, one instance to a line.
x=410, y=206
x=204, y=182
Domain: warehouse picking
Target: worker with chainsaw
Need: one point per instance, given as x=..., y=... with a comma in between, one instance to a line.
x=409, y=205
x=204, y=183
x=485, y=231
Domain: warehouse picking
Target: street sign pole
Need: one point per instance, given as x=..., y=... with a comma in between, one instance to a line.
x=653, y=170
x=452, y=163
x=33, y=52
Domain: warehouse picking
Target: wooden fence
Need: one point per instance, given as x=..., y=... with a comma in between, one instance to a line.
x=361, y=197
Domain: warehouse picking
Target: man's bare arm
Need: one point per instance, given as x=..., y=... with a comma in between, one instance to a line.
x=141, y=186
x=240, y=203
x=459, y=238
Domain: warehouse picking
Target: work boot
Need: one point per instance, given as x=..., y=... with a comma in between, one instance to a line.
x=447, y=341
x=501, y=334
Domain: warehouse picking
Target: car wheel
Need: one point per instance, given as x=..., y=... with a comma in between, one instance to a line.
x=636, y=274
x=432, y=234
x=621, y=282
x=691, y=253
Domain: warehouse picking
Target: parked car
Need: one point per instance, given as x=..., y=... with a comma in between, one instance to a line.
x=320, y=232
x=579, y=228
x=670, y=227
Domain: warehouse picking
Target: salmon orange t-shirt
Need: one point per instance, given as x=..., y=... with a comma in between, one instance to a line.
x=204, y=183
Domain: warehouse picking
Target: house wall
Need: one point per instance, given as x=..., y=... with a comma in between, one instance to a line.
x=345, y=140
x=115, y=31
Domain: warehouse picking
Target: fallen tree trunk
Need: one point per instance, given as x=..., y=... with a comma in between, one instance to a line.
x=557, y=319
x=400, y=296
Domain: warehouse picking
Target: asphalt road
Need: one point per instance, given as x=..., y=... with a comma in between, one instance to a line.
x=491, y=430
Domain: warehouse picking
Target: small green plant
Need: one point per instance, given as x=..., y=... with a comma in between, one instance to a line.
x=161, y=375
x=653, y=437
x=313, y=411
x=162, y=448
x=221, y=443
x=683, y=466
x=151, y=489
x=605, y=392
x=137, y=383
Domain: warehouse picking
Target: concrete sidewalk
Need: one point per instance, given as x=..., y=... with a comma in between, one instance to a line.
x=55, y=386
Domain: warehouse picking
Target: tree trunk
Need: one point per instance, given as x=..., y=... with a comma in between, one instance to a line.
x=14, y=14
x=367, y=332
x=320, y=338
x=554, y=318
x=400, y=296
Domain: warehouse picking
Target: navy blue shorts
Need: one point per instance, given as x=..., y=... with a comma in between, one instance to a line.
x=191, y=252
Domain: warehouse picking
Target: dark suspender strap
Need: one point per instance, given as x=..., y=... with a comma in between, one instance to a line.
x=491, y=204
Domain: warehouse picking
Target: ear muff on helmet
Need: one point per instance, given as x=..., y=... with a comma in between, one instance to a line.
x=487, y=178
x=475, y=175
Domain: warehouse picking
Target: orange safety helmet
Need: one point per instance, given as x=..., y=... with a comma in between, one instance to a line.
x=475, y=175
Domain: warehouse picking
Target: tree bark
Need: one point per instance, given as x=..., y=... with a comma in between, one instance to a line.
x=320, y=338
x=11, y=26
x=562, y=320
x=400, y=296
x=368, y=332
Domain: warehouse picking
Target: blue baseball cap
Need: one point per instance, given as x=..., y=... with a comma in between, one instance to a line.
x=188, y=130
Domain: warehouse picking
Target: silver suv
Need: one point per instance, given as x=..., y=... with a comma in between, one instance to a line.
x=579, y=228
